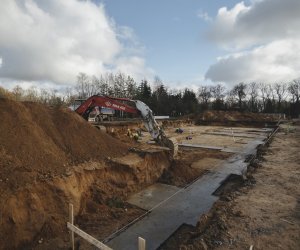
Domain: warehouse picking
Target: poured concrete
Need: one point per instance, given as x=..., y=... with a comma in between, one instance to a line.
x=186, y=206
x=234, y=134
x=223, y=149
x=152, y=196
x=199, y=146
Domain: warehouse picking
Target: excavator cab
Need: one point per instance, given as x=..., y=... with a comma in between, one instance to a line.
x=99, y=114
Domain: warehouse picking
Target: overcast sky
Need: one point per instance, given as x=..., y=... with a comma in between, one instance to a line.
x=184, y=42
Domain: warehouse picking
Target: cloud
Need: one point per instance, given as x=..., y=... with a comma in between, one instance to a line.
x=263, y=21
x=134, y=66
x=55, y=40
x=204, y=15
x=274, y=62
x=262, y=40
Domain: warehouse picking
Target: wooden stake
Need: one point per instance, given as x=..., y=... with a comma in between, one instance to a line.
x=71, y=219
x=142, y=244
x=88, y=237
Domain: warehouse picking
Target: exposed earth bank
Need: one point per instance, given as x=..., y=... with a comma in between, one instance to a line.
x=50, y=157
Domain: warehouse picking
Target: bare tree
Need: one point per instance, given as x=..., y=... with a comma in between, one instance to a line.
x=263, y=91
x=82, y=86
x=44, y=96
x=69, y=96
x=218, y=93
x=253, y=93
x=18, y=93
x=204, y=95
x=294, y=89
x=281, y=91
x=94, y=86
x=31, y=94
x=271, y=92
x=268, y=97
x=239, y=91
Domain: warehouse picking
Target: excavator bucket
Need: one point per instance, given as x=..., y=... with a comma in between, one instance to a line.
x=156, y=132
x=170, y=143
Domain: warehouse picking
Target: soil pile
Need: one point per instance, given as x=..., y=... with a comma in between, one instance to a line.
x=224, y=116
x=51, y=157
x=40, y=142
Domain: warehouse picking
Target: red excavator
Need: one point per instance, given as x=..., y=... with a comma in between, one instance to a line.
x=139, y=107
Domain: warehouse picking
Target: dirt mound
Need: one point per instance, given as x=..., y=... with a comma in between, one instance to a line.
x=37, y=141
x=51, y=157
x=234, y=116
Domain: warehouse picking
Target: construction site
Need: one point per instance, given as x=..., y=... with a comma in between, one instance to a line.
x=149, y=125
x=122, y=187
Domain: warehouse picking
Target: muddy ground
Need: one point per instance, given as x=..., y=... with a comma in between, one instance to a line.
x=262, y=212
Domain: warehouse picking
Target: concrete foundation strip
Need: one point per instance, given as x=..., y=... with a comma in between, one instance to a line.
x=159, y=204
x=269, y=137
x=149, y=211
x=145, y=214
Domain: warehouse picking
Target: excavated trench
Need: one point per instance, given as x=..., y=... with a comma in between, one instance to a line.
x=40, y=210
x=214, y=166
x=36, y=214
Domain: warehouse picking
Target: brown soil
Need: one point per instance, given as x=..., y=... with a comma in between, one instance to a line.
x=97, y=190
x=119, y=129
x=234, y=118
x=263, y=212
x=176, y=123
x=183, y=170
x=38, y=142
x=51, y=157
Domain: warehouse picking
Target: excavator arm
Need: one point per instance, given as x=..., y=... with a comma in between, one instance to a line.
x=141, y=108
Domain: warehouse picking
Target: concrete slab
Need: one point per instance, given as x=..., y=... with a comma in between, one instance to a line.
x=223, y=149
x=257, y=131
x=152, y=196
x=199, y=146
x=186, y=206
x=235, y=134
x=263, y=130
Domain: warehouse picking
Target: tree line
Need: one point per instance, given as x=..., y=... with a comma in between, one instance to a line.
x=252, y=97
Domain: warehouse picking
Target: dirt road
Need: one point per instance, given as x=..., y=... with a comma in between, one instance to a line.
x=263, y=213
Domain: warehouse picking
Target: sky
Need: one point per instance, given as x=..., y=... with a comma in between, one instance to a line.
x=185, y=43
